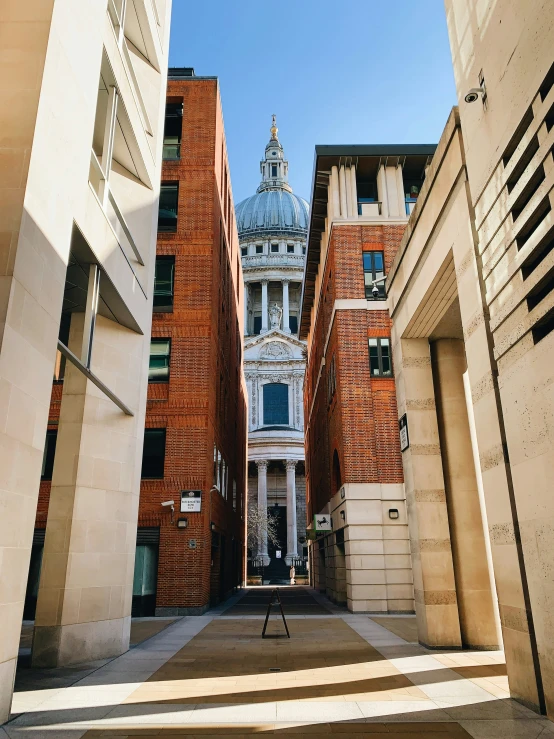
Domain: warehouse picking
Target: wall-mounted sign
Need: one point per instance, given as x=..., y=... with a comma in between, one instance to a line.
x=278, y=553
x=191, y=501
x=404, y=437
x=322, y=522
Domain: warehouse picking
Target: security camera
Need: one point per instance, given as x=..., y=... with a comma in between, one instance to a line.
x=474, y=93
x=169, y=502
x=375, y=291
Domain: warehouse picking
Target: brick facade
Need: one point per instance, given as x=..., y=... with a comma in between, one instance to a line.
x=360, y=422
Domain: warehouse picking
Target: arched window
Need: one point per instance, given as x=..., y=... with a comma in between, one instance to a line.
x=276, y=404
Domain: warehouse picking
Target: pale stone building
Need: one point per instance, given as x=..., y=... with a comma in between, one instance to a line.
x=471, y=298
x=272, y=226
x=81, y=114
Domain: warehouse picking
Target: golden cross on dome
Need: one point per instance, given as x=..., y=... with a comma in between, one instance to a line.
x=274, y=128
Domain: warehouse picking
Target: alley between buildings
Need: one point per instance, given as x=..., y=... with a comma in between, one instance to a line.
x=213, y=675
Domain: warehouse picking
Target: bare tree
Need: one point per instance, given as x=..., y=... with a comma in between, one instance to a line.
x=261, y=523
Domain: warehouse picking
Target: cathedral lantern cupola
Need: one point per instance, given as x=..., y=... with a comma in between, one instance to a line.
x=274, y=167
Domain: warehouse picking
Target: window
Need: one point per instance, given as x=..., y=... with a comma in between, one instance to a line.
x=367, y=193
x=293, y=324
x=331, y=380
x=274, y=248
x=380, y=364
x=257, y=325
x=153, y=454
x=158, y=369
x=163, y=284
x=290, y=248
x=373, y=270
x=244, y=251
x=303, y=250
x=276, y=404
x=274, y=170
x=259, y=249
x=49, y=453
x=167, y=213
x=234, y=495
x=172, y=130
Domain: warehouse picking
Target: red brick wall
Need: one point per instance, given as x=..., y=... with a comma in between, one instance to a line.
x=360, y=422
x=205, y=400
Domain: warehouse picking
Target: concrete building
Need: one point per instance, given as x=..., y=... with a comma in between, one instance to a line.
x=195, y=438
x=361, y=200
x=272, y=227
x=470, y=295
x=82, y=105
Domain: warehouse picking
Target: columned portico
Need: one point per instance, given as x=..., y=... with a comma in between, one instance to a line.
x=262, y=508
x=291, y=511
x=264, y=306
x=286, y=312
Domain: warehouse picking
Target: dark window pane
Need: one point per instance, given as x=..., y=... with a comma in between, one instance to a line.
x=259, y=249
x=385, y=357
x=378, y=261
x=368, y=261
x=276, y=404
x=167, y=214
x=274, y=247
x=153, y=454
x=158, y=370
x=49, y=453
x=163, y=284
x=243, y=251
x=373, y=357
x=274, y=170
x=257, y=324
x=293, y=323
x=290, y=248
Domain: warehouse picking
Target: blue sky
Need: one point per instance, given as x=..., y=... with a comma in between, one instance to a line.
x=334, y=72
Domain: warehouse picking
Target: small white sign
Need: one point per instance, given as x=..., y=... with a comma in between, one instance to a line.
x=278, y=553
x=404, y=437
x=322, y=522
x=191, y=501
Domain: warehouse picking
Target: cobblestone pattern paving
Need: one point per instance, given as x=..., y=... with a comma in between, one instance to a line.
x=339, y=673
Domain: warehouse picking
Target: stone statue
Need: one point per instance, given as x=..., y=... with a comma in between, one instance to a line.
x=275, y=315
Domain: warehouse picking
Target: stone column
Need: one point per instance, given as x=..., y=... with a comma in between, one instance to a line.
x=473, y=586
x=262, y=507
x=436, y=606
x=342, y=192
x=246, y=301
x=291, y=511
x=286, y=322
x=264, y=307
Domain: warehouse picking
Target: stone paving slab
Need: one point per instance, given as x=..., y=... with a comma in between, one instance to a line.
x=339, y=673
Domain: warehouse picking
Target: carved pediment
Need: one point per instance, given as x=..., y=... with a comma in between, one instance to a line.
x=275, y=350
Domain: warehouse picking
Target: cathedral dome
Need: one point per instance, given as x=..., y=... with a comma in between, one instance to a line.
x=274, y=209
x=272, y=212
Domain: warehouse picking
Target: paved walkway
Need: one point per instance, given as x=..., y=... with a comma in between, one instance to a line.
x=338, y=674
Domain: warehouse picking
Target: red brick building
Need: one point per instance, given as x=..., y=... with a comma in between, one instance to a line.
x=361, y=200
x=190, y=554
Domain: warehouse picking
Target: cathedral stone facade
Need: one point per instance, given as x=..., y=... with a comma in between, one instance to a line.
x=272, y=226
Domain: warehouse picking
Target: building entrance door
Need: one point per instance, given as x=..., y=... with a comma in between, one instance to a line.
x=277, y=571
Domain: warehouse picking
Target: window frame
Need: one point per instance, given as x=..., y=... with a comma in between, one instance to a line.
x=160, y=340
x=174, y=185
x=267, y=406
x=164, y=307
x=380, y=341
x=49, y=455
x=373, y=272
x=150, y=432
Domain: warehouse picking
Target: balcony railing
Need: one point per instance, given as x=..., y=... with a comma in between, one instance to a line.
x=273, y=260
x=369, y=208
x=171, y=151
